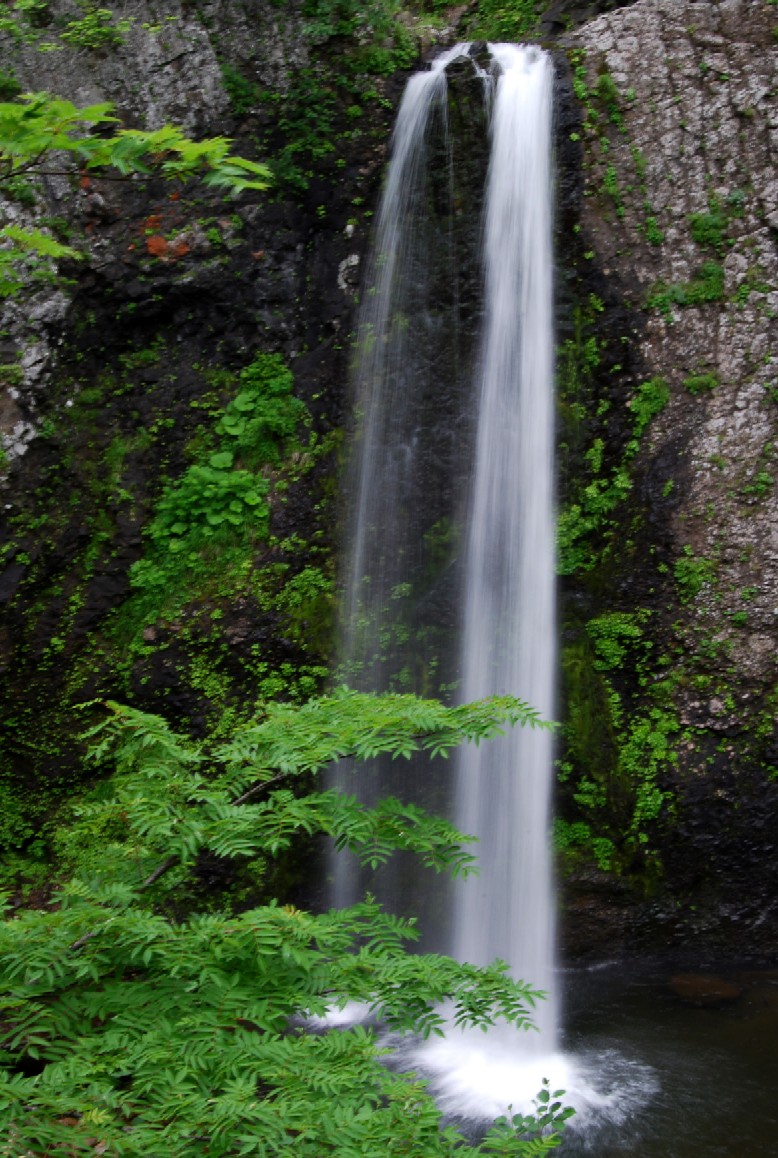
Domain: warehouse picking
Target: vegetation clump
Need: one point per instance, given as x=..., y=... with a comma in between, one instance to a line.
x=130, y=1029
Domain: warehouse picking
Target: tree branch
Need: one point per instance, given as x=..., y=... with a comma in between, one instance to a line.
x=159, y=871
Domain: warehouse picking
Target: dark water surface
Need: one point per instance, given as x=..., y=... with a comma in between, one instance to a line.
x=684, y=1065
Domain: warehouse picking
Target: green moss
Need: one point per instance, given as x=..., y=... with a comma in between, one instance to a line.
x=701, y=383
x=613, y=634
x=707, y=285
x=709, y=229
x=505, y=20
x=692, y=573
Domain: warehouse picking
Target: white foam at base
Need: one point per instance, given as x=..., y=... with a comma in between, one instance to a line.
x=475, y=1077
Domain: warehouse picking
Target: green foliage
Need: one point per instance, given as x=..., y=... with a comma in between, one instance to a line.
x=132, y=1032
x=708, y=229
x=97, y=29
x=646, y=749
x=306, y=603
x=9, y=86
x=654, y=235
x=692, y=573
x=43, y=135
x=38, y=126
x=19, y=264
x=21, y=20
x=580, y=520
x=205, y=499
x=619, y=753
x=326, y=19
x=612, y=634
x=375, y=40
x=306, y=120
x=243, y=94
x=218, y=504
x=599, y=490
x=264, y=415
x=649, y=400
x=701, y=383
x=760, y=484
x=707, y=285
x=578, y=835
x=610, y=184
x=505, y=20
x=608, y=95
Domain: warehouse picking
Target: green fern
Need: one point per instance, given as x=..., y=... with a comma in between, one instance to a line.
x=149, y=1033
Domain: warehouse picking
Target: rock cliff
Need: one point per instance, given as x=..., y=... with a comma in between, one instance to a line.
x=673, y=616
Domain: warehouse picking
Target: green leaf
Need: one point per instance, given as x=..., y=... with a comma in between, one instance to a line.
x=223, y=460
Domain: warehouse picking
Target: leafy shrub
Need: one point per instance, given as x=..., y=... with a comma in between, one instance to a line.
x=608, y=94
x=207, y=498
x=650, y=399
x=368, y=19
x=700, y=383
x=613, y=633
x=692, y=573
x=707, y=285
x=506, y=19
x=708, y=229
x=264, y=413
x=243, y=94
x=130, y=1031
x=97, y=29
x=9, y=86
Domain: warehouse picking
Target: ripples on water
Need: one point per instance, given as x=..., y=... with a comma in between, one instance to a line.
x=651, y=1075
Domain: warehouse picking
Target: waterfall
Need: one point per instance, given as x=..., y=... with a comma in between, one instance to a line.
x=465, y=456
x=509, y=634
x=401, y=337
x=408, y=476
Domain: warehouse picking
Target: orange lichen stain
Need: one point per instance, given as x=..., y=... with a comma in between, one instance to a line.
x=157, y=246
x=166, y=250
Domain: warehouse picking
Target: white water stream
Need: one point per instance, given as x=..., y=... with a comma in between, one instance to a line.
x=509, y=629
x=509, y=637
x=505, y=564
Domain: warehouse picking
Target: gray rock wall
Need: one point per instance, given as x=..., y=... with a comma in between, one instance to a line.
x=679, y=226
x=702, y=79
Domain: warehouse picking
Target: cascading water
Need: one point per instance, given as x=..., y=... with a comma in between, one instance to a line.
x=413, y=384
x=450, y=574
x=451, y=569
x=400, y=335
x=509, y=626
x=509, y=638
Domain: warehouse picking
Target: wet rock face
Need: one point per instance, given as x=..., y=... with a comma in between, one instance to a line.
x=680, y=219
x=166, y=68
x=113, y=380
x=696, y=84
x=566, y=14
